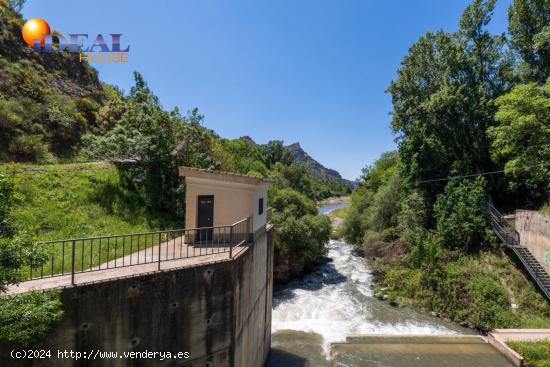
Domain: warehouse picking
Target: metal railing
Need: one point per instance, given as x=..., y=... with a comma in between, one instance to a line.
x=510, y=238
x=501, y=227
x=81, y=255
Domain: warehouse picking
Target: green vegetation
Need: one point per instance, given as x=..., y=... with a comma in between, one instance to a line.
x=77, y=200
x=521, y=139
x=55, y=116
x=535, y=353
x=47, y=102
x=339, y=213
x=23, y=318
x=26, y=317
x=300, y=234
x=463, y=104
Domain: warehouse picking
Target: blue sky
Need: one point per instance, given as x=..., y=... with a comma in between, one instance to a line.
x=311, y=71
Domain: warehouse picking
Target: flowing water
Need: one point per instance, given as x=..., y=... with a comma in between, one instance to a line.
x=337, y=301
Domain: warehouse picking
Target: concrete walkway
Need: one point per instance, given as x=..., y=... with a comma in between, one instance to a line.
x=499, y=337
x=173, y=254
x=416, y=351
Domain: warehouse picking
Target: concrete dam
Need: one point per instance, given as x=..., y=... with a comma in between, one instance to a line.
x=196, y=298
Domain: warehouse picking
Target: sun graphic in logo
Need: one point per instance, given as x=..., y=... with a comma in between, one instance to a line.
x=35, y=29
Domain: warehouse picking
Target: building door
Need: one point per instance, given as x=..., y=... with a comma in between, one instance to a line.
x=205, y=217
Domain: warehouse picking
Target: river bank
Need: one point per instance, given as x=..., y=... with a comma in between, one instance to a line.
x=334, y=200
x=337, y=300
x=284, y=270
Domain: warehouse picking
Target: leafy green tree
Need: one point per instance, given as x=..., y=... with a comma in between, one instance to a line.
x=16, y=5
x=375, y=204
x=529, y=27
x=273, y=152
x=27, y=317
x=443, y=99
x=149, y=145
x=374, y=176
x=459, y=214
x=300, y=234
x=522, y=140
x=292, y=202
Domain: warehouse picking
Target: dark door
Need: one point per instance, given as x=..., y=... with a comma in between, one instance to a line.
x=205, y=217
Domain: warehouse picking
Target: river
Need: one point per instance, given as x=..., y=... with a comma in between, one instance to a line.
x=337, y=301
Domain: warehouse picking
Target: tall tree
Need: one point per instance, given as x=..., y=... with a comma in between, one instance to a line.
x=522, y=141
x=529, y=27
x=443, y=99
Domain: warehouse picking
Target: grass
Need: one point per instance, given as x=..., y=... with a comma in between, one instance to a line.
x=76, y=200
x=545, y=209
x=340, y=212
x=63, y=201
x=536, y=353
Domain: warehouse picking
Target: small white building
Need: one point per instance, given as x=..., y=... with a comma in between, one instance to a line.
x=214, y=198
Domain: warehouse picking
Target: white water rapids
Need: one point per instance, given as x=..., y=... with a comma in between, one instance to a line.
x=337, y=301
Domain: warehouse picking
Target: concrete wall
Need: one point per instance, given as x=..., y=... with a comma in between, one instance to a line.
x=534, y=233
x=220, y=313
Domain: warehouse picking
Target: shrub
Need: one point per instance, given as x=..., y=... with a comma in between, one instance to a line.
x=459, y=214
x=27, y=317
x=300, y=234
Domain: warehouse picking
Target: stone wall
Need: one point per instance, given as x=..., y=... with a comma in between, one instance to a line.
x=219, y=312
x=534, y=233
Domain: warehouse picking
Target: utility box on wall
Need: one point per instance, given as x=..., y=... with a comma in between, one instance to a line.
x=214, y=198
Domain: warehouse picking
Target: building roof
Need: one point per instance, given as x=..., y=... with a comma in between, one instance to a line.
x=223, y=176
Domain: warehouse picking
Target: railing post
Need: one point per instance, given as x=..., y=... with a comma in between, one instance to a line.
x=73, y=264
x=159, y=252
x=231, y=242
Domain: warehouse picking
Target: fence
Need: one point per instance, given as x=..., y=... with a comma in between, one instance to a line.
x=501, y=227
x=81, y=255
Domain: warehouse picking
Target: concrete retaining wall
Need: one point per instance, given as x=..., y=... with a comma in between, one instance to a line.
x=534, y=232
x=220, y=313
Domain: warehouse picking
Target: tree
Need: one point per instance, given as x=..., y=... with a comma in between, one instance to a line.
x=443, y=99
x=459, y=214
x=529, y=27
x=149, y=144
x=17, y=5
x=522, y=140
x=301, y=234
x=273, y=152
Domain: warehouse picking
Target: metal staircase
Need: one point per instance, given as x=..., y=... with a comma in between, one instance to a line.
x=511, y=239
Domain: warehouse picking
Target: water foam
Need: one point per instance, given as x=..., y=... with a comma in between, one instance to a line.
x=337, y=301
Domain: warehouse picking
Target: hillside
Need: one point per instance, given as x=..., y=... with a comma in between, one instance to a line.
x=76, y=200
x=314, y=167
x=47, y=100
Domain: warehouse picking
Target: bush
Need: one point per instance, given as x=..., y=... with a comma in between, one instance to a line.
x=27, y=317
x=459, y=214
x=300, y=234
x=292, y=202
